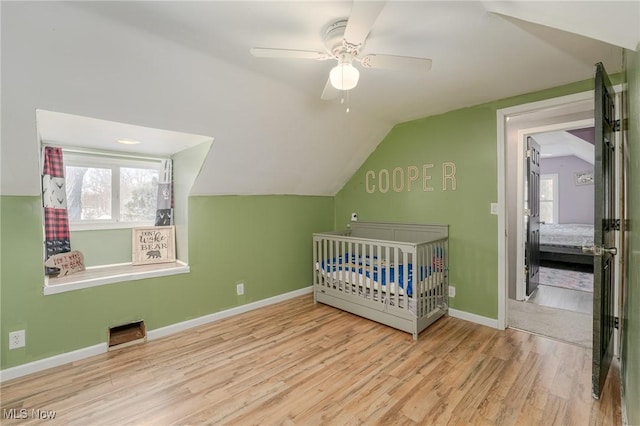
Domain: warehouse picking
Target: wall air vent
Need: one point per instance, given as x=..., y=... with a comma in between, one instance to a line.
x=124, y=335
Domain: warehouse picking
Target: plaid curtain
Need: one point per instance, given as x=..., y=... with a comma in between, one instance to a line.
x=54, y=201
x=164, y=209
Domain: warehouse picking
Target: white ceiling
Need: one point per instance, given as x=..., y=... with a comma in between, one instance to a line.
x=564, y=144
x=186, y=67
x=87, y=132
x=477, y=55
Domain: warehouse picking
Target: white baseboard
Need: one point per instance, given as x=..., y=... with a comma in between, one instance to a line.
x=478, y=319
x=54, y=361
x=68, y=357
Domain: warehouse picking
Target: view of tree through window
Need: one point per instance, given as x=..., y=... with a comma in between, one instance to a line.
x=115, y=191
x=88, y=193
x=138, y=193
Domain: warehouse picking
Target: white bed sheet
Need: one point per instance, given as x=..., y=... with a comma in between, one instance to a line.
x=352, y=277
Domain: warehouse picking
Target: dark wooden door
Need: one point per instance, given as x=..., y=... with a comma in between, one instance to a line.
x=604, y=230
x=532, y=256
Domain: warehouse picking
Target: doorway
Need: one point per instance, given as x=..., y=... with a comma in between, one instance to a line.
x=608, y=206
x=544, y=310
x=513, y=124
x=558, y=300
x=565, y=205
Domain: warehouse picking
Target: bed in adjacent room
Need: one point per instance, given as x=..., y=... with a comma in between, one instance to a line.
x=563, y=242
x=395, y=274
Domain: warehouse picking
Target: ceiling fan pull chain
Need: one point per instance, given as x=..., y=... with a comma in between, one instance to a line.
x=342, y=99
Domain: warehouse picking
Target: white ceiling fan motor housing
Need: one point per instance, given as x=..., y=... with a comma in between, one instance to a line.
x=335, y=42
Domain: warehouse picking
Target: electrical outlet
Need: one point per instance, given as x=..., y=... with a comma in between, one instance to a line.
x=17, y=339
x=452, y=291
x=240, y=289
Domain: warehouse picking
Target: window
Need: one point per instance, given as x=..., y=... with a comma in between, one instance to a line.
x=117, y=191
x=106, y=191
x=549, y=198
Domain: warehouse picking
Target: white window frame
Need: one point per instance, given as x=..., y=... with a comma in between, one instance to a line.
x=112, y=161
x=554, y=183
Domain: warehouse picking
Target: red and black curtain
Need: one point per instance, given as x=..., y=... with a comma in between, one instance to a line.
x=54, y=202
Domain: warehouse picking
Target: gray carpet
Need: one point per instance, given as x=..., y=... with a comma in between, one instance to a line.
x=573, y=280
x=574, y=327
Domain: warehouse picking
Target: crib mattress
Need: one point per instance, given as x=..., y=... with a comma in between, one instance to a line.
x=359, y=271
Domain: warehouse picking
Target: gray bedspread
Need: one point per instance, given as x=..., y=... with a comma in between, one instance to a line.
x=566, y=234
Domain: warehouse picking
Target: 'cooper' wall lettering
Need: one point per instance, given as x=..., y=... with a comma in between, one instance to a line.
x=406, y=179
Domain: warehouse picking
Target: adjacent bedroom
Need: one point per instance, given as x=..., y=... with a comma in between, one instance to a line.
x=566, y=220
x=553, y=285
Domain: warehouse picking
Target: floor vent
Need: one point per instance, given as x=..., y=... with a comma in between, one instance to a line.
x=125, y=335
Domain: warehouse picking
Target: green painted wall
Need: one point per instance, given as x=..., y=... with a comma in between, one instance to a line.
x=466, y=138
x=630, y=357
x=104, y=247
x=264, y=241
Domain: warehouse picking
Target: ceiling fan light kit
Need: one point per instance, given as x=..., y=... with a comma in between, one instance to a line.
x=344, y=76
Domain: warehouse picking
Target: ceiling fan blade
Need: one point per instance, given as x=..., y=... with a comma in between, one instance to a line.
x=392, y=62
x=363, y=16
x=329, y=91
x=265, y=52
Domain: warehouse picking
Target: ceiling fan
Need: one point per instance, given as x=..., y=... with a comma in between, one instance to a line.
x=344, y=40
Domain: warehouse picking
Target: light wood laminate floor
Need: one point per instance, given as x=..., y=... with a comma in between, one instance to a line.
x=300, y=363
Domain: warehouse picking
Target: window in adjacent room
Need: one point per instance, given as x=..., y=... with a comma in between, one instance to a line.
x=107, y=191
x=549, y=198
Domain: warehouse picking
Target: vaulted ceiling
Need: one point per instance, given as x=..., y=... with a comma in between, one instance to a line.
x=567, y=144
x=186, y=67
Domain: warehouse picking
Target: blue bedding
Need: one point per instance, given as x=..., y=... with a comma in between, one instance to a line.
x=348, y=263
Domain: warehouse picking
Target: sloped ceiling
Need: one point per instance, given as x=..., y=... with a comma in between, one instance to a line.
x=102, y=135
x=565, y=144
x=591, y=20
x=186, y=67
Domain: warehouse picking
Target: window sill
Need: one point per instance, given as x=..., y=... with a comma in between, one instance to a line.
x=110, y=274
